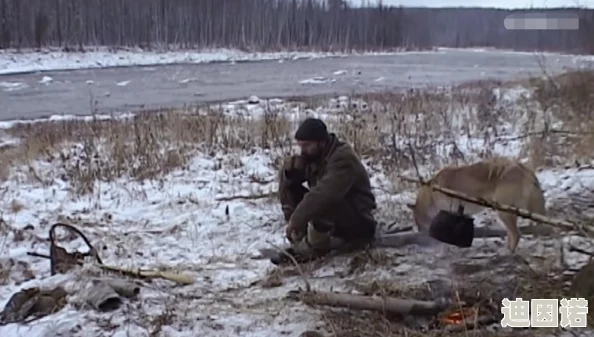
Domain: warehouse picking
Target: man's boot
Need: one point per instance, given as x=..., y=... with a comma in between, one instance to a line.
x=317, y=243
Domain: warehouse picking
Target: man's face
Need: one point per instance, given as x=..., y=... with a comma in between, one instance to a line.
x=310, y=150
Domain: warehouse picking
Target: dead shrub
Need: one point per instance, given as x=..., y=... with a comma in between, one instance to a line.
x=440, y=124
x=563, y=119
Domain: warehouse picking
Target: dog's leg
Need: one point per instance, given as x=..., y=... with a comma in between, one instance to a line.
x=510, y=222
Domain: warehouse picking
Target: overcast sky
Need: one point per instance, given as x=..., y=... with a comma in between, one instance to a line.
x=488, y=3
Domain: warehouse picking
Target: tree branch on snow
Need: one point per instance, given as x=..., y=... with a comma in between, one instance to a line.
x=575, y=249
x=563, y=224
x=386, y=305
x=248, y=197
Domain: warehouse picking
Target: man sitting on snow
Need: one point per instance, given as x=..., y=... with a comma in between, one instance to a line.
x=335, y=212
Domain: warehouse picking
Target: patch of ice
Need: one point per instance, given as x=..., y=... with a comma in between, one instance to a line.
x=317, y=80
x=8, y=142
x=12, y=86
x=46, y=80
x=187, y=80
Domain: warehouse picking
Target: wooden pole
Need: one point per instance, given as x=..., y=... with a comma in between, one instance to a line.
x=566, y=225
x=375, y=303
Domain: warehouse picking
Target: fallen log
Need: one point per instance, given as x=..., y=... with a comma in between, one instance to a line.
x=563, y=224
x=423, y=239
x=404, y=239
x=386, y=305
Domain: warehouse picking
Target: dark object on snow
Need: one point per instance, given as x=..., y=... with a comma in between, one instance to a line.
x=453, y=228
x=302, y=253
x=280, y=258
x=294, y=177
x=33, y=303
x=102, y=297
x=311, y=333
x=106, y=294
x=60, y=260
x=277, y=257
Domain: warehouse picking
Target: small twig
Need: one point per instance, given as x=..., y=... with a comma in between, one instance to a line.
x=414, y=161
x=248, y=197
x=541, y=133
x=332, y=325
x=292, y=258
x=399, y=230
x=257, y=180
x=573, y=248
x=562, y=260
x=459, y=301
x=42, y=256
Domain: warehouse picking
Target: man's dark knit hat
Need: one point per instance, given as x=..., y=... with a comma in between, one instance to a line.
x=312, y=129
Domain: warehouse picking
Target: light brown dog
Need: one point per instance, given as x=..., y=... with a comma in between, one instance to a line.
x=499, y=179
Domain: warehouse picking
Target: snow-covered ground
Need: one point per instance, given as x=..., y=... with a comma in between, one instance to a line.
x=495, y=50
x=208, y=219
x=12, y=62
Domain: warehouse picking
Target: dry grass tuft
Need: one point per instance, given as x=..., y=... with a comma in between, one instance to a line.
x=158, y=322
x=273, y=279
x=365, y=259
x=564, y=133
x=444, y=126
x=144, y=147
x=16, y=206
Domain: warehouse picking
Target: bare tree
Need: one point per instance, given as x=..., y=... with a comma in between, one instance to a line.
x=271, y=25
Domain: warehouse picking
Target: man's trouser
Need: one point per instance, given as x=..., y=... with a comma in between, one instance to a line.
x=341, y=221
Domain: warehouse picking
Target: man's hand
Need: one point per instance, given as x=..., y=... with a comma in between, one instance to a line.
x=294, y=169
x=294, y=233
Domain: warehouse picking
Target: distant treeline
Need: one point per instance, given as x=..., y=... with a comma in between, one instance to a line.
x=271, y=25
